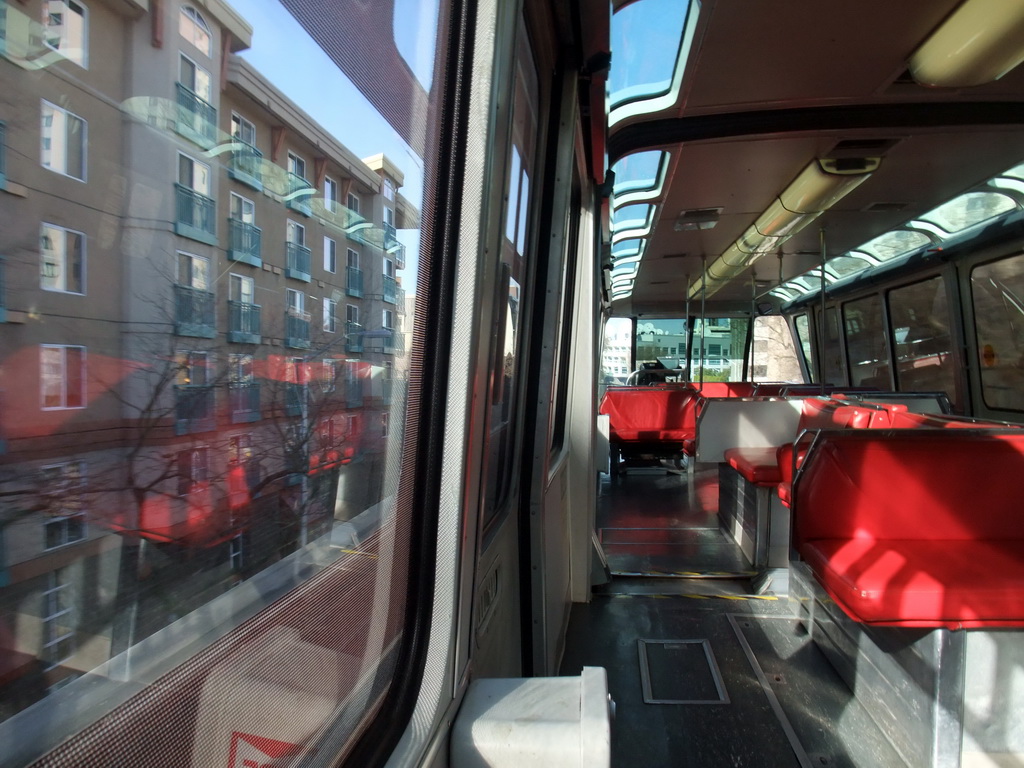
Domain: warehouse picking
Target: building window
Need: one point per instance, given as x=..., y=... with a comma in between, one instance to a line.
x=330, y=315
x=329, y=375
x=389, y=189
x=351, y=313
x=58, y=621
x=330, y=255
x=296, y=165
x=353, y=203
x=352, y=259
x=243, y=209
x=66, y=29
x=235, y=554
x=384, y=419
x=63, y=141
x=195, y=78
x=193, y=27
x=62, y=491
x=330, y=193
x=240, y=369
x=243, y=130
x=193, y=469
x=194, y=175
x=389, y=216
x=241, y=289
x=389, y=319
x=62, y=376
x=62, y=253
x=296, y=302
x=193, y=271
x=295, y=233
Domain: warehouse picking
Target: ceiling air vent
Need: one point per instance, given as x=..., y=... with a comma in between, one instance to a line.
x=862, y=148
x=675, y=255
x=697, y=218
x=886, y=207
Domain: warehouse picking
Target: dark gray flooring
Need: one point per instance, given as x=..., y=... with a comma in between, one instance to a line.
x=757, y=692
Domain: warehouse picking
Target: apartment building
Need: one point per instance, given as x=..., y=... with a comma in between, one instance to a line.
x=203, y=326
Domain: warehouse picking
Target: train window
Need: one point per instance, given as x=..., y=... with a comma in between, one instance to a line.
x=616, y=353
x=803, y=333
x=997, y=292
x=204, y=534
x=968, y=210
x=515, y=254
x=919, y=326
x=639, y=176
x=866, y=352
x=773, y=355
x=718, y=349
x=651, y=83
x=832, y=351
x=895, y=243
x=662, y=344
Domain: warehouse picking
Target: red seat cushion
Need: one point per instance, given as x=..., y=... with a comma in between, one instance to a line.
x=926, y=583
x=757, y=465
x=650, y=414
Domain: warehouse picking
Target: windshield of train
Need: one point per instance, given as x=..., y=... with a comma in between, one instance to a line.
x=209, y=250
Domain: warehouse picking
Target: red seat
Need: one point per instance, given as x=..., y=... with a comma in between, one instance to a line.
x=920, y=528
x=758, y=465
x=650, y=414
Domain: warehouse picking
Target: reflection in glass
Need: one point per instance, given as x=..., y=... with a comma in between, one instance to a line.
x=919, y=325
x=183, y=439
x=997, y=291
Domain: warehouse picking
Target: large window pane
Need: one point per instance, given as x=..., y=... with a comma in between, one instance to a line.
x=866, y=351
x=997, y=291
x=239, y=545
x=919, y=326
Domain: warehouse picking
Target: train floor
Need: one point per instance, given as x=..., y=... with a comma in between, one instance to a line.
x=705, y=672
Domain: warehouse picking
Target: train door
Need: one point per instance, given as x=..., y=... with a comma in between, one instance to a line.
x=490, y=628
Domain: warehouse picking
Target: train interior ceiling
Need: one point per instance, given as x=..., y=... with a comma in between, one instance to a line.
x=604, y=383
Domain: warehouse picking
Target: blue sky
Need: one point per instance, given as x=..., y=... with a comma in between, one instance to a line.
x=284, y=54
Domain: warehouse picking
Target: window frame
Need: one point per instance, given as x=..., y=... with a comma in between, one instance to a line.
x=196, y=22
x=83, y=364
x=84, y=140
x=63, y=267
x=330, y=315
x=331, y=264
x=83, y=60
x=242, y=122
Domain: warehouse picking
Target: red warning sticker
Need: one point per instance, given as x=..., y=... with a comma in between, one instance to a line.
x=250, y=751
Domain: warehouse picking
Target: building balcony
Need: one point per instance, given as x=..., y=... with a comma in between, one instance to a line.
x=397, y=252
x=298, y=262
x=354, y=337
x=394, y=343
x=246, y=243
x=294, y=398
x=390, y=290
x=196, y=118
x=194, y=313
x=354, y=393
x=354, y=282
x=193, y=410
x=390, y=236
x=298, y=194
x=296, y=333
x=243, y=323
x=195, y=215
x=244, y=401
x=361, y=231
x=246, y=164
